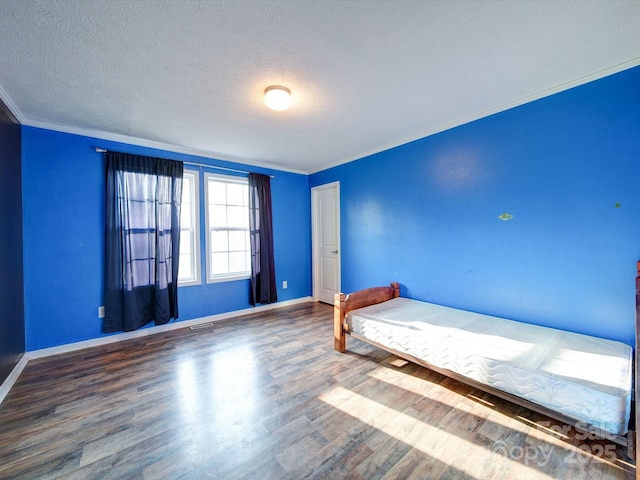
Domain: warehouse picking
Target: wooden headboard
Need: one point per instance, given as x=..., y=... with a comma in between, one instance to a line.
x=344, y=303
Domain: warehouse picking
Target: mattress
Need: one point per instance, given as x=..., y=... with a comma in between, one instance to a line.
x=582, y=377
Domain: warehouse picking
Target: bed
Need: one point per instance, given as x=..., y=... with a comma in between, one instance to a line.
x=583, y=381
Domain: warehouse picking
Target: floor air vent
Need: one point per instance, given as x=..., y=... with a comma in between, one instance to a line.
x=201, y=326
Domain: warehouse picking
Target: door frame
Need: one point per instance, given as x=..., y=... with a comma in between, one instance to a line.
x=316, y=232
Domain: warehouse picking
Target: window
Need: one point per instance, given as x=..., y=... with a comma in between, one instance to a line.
x=227, y=217
x=142, y=235
x=189, y=269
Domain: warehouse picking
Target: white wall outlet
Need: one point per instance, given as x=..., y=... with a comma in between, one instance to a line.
x=101, y=312
x=284, y=284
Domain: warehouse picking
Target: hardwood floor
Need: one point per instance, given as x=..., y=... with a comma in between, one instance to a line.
x=266, y=396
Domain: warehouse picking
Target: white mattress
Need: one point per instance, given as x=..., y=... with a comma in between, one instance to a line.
x=582, y=377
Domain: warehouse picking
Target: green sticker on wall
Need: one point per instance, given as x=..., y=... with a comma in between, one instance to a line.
x=505, y=216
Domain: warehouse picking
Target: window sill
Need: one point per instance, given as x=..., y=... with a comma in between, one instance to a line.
x=230, y=278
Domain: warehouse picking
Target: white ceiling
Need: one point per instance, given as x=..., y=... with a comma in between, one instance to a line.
x=366, y=75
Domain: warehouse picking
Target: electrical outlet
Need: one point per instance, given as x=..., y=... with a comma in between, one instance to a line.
x=101, y=312
x=284, y=284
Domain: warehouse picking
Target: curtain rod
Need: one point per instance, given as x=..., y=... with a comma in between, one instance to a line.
x=202, y=165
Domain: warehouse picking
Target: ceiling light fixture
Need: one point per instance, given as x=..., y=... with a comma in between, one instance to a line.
x=277, y=98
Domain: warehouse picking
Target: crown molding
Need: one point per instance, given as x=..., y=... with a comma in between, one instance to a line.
x=634, y=62
x=10, y=108
x=143, y=142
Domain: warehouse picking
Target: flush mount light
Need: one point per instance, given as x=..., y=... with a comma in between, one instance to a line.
x=277, y=98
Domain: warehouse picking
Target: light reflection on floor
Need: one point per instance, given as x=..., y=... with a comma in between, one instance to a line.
x=219, y=401
x=539, y=435
x=422, y=436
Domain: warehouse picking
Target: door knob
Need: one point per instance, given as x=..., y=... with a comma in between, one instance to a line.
x=335, y=252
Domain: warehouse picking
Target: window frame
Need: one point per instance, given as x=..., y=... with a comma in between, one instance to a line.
x=196, y=279
x=218, y=278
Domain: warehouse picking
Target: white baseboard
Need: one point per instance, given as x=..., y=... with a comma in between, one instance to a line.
x=13, y=376
x=71, y=347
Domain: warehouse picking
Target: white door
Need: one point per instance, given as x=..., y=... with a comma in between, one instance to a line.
x=325, y=206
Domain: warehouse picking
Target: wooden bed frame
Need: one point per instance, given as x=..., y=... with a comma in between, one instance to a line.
x=345, y=303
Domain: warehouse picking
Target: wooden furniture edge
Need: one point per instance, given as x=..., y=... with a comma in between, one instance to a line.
x=636, y=388
x=339, y=336
x=343, y=304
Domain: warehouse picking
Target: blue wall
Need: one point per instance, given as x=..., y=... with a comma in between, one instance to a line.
x=63, y=194
x=425, y=214
x=566, y=167
x=12, y=344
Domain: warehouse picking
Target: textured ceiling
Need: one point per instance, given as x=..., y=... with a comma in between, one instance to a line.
x=188, y=75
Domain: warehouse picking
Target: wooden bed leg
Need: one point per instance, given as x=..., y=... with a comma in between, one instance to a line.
x=339, y=337
x=395, y=286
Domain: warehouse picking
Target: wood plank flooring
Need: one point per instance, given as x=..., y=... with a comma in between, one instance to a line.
x=265, y=396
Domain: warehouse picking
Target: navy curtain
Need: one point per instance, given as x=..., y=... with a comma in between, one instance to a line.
x=263, y=275
x=142, y=241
